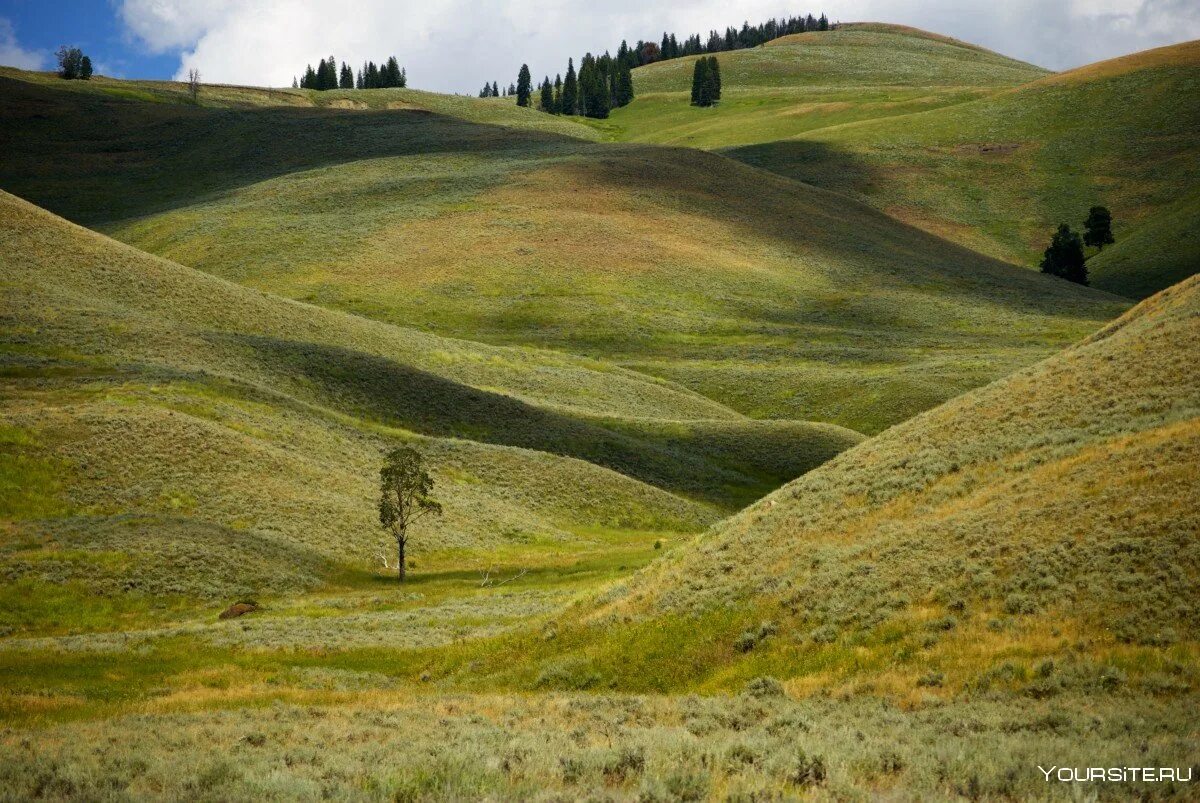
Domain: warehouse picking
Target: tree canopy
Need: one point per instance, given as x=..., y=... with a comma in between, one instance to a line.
x=1097, y=228
x=1064, y=257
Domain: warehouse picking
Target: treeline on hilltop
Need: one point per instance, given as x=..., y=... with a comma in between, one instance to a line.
x=606, y=82
x=370, y=76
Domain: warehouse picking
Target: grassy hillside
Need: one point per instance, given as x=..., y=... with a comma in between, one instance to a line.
x=811, y=81
x=999, y=173
x=1030, y=536
x=765, y=296
x=168, y=433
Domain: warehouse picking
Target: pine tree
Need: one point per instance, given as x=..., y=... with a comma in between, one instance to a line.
x=546, y=95
x=701, y=88
x=347, y=77
x=372, y=79
x=403, y=77
x=1064, y=258
x=1097, y=229
x=714, y=79
x=295, y=83
x=392, y=73
x=524, y=85
x=624, y=86
x=85, y=71
x=570, y=90
x=309, y=81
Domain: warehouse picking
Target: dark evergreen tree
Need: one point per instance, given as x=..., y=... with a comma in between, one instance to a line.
x=570, y=90
x=714, y=79
x=524, y=85
x=372, y=80
x=1064, y=257
x=1097, y=229
x=346, y=80
x=701, y=87
x=546, y=96
x=85, y=70
x=391, y=73
x=624, y=86
x=309, y=81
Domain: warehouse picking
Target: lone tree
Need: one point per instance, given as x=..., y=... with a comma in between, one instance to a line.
x=1097, y=229
x=72, y=64
x=404, y=488
x=524, y=85
x=193, y=84
x=1064, y=257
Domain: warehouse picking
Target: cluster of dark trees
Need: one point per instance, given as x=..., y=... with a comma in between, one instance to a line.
x=72, y=64
x=370, y=76
x=605, y=82
x=1065, y=258
x=748, y=35
x=706, y=81
x=602, y=84
x=494, y=90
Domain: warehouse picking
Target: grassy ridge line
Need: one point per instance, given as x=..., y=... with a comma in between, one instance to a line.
x=811, y=81
x=121, y=142
x=998, y=173
x=498, y=111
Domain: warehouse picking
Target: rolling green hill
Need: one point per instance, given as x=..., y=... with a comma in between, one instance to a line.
x=810, y=81
x=948, y=142
x=763, y=295
x=170, y=433
x=998, y=174
x=1034, y=536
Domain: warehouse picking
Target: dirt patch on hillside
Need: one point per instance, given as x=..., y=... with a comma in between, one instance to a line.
x=987, y=148
x=342, y=103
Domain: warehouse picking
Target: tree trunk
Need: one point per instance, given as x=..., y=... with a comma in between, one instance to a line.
x=400, y=559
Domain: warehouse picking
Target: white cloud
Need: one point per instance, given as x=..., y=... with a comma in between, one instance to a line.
x=13, y=55
x=455, y=45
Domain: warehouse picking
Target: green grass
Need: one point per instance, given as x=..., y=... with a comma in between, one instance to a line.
x=1033, y=518
x=602, y=349
x=760, y=294
x=962, y=143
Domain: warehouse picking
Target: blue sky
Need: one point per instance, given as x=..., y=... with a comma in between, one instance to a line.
x=456, y=45
x=40, y=27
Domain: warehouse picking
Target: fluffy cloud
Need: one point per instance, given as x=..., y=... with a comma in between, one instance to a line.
x=456, y=45
x=13, y=55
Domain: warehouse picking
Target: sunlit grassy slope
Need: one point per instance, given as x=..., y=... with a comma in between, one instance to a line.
x=813, y=80
x=770, y=298
x=999, y=173
x=1045, y=517
x=167, y=432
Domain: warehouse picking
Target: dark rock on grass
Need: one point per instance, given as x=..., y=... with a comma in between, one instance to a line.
x=238, y=609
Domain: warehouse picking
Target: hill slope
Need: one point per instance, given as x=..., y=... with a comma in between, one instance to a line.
x=169, y=432
x=810, y=81
x=766, y=296
x=1045, y=516
x=999, y=173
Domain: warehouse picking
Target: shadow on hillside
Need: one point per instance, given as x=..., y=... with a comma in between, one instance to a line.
x=97, y=159
x=815, y=163
x=400, y=395
x=869, y=250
